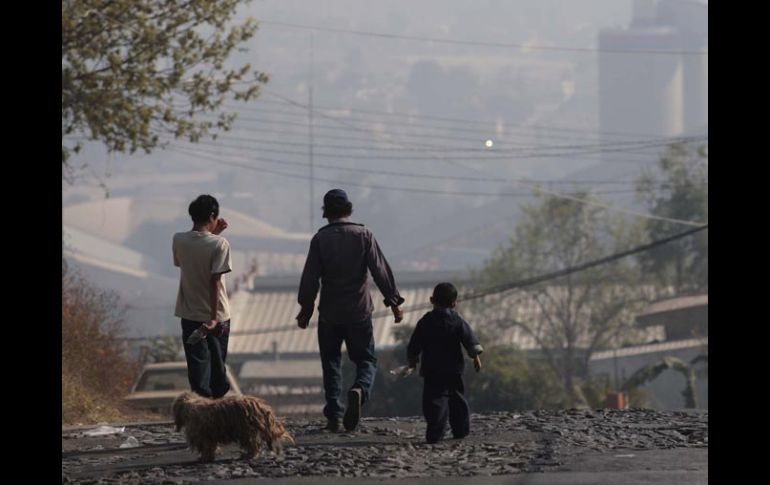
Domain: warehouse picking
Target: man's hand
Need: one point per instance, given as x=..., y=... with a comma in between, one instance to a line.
x=477, y=363
x=397, y=313
x=303, y=319
x=209, y=326
x=221, y=226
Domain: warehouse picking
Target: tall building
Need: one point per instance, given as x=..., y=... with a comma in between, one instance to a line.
x=656, y=94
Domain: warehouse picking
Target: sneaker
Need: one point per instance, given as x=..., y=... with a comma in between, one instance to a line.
x=353, y=411
x=333, y=425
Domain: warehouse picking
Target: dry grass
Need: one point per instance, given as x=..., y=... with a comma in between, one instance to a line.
x=96, y=368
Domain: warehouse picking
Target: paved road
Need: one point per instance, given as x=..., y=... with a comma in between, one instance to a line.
x=575, y=447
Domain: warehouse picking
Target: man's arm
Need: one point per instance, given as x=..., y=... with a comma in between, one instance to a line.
x=215, y=284
x=308, y=285
x=173, y=251
x=221, y=263
x=383, y=277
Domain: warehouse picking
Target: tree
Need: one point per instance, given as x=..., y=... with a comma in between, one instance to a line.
x=136, y=70
x=678, y=191
x=575, y=315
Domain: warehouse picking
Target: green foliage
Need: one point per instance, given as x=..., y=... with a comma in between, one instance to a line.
x=136, y=70
x=509, y=382
x=595, y=391
x=679, y=190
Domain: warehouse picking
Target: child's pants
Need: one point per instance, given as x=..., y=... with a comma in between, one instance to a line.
x=443, y=398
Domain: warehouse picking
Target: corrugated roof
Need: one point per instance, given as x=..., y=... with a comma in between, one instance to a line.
x=650, y=348
x=278, y=308
x=268, y=309
x=673, y=304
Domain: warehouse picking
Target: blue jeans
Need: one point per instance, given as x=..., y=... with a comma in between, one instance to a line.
x=206, y=359
x=359, y=340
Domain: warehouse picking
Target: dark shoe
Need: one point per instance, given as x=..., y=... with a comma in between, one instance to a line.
x=333, y=425
x=353, y=411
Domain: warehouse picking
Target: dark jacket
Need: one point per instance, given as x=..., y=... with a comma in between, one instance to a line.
x=340, y=255
x=439, y=336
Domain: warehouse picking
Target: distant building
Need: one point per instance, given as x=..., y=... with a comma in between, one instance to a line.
x=655, y=94
x=684, y=317
x=684, y=321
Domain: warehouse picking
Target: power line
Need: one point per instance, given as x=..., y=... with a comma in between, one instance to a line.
x=558, y=194
x=485, y=132
x=453, y=137
x=242, y=149
x=634, y=148
x=654, y=141
x=418, y=147
x=481, y=43
x=485, y=152
x=395, y=173
x=464, y=121
x=197, y=154
x=558, y=151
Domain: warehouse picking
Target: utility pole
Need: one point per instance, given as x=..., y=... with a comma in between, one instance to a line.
x=311, y=141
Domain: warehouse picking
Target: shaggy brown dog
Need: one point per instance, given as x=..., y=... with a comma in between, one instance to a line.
x=245, y=420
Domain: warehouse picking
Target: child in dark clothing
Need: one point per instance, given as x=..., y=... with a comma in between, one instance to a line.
x=439, y=336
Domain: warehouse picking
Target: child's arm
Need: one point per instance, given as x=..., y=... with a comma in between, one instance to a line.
x=415, y=346
x=471, y=344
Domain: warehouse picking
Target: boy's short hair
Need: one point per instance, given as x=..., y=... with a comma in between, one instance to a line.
x=202, y=208
x=444, y=294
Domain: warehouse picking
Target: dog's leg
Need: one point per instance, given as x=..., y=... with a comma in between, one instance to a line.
x=250, y=449
x=208, y=451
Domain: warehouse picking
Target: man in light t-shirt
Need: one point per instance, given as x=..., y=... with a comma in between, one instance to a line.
x=204, y=257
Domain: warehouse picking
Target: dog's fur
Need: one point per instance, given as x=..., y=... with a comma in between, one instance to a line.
x=245, y=420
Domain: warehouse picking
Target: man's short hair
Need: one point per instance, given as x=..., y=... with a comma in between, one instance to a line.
x=202, y=208
x=337, y=204
x=337, y=212
x=444, y=294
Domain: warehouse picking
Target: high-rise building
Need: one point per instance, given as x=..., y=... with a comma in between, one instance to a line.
x=656, y=94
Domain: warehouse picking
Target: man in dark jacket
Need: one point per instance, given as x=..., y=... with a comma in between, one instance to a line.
x=340, y=255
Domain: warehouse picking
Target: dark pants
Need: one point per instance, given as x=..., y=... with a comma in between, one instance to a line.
x=443, y=398
x=359, y=340
x=206, y=359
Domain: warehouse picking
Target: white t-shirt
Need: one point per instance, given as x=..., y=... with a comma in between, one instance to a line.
x=200, y=255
